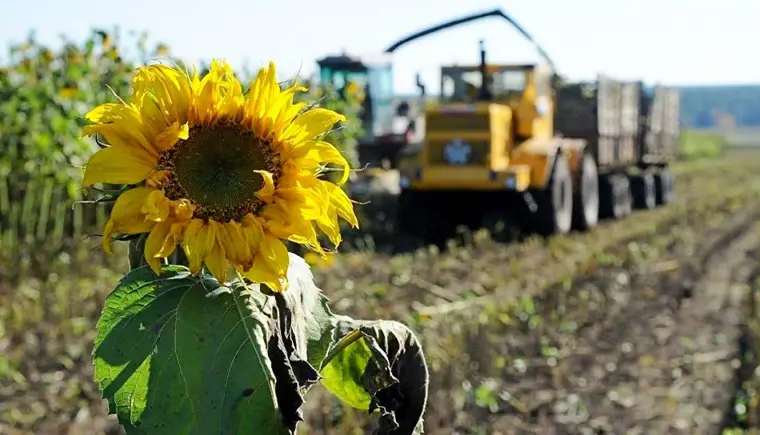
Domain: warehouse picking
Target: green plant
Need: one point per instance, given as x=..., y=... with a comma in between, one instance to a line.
x=185, y=347
x=186, y=354
x=696, y=145
x=44, y=93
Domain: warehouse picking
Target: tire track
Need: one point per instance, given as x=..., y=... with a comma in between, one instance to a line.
x=644, y=365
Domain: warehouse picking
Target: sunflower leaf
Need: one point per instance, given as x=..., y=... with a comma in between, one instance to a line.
x=171, y=360
x=379, y=365
x=183, y=354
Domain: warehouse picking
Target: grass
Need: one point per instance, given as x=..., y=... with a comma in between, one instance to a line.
x=511, y=331
x=700, y=144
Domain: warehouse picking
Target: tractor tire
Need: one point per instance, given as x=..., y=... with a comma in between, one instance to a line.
x=643, y=191
x=615, y=199
x=555, y=203
x=664, y=183
x=586, y=201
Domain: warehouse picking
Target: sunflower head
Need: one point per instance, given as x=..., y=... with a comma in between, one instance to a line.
x=227, y=174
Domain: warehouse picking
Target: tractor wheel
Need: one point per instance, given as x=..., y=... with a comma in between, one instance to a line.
x=586, y=201
x=664, y=183
x=615, y=200
x=643, y=190
x=555, y=203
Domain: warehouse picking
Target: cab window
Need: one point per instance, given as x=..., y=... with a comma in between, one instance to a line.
x=460, y=86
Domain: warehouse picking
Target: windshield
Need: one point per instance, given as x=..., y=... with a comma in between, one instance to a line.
x=381, y=93
x=462, y=85
x=339, y=78
x=377, y=83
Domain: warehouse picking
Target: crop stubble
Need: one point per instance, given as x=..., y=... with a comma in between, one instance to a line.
x=629, y=329
x=482, y=335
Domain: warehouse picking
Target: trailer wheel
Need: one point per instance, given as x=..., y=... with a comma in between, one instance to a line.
x=555, y=203
x=625, y=195
x=586, y=201
x=643, y=190
x=664, y=187
x=614, y=196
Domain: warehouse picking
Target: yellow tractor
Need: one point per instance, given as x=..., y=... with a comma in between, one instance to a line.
x=508, y=143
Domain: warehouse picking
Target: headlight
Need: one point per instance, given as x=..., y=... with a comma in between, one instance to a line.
x=510, y=182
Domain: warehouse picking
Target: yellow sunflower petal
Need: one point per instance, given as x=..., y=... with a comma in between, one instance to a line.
x=121, y=124
x=253, y=231
x=276, y=220
x=275, y=258
x=281, y=110
x=207, y=93
x=176, y=233
x=324, y=152
x=306, y=235
x=182, y=210
x=328, y=224
x=316, y=122
x=155, y=244
x=267, y=190
x=261, y=274
x=156, y=207
x=170, y=87
x=275, y=253
x=252, y=108
x=118, y=165
x=342, y=203
x=126, y=216
x=218, y=264
x=198, y=241
x=230, y=237
x=169, y=137
x=105, y=239
x=301, y=202
x=267, y=90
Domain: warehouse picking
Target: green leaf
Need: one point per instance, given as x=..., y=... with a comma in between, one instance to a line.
x=177, y=354
x=181, y=354
x=312, y=319
x=379, y=365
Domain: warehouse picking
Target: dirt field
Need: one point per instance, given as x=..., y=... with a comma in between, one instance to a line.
x=643, y=326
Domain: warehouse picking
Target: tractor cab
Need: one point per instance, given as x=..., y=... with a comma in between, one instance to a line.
x=464, y=84
x=525, y=89
x=374, y=76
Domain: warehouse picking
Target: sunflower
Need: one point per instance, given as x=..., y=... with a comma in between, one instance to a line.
x=228, y=175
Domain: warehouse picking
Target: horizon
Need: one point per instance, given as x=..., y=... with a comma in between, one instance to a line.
x=628, y=41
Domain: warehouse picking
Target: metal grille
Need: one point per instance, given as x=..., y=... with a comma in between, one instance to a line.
x=444, y=122
x=479, y=155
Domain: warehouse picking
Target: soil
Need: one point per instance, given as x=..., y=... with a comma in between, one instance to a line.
x=637, y=327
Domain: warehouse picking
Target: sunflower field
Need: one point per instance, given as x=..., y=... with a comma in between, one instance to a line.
x=645, y=325
x=44, y=95
x=45, y=212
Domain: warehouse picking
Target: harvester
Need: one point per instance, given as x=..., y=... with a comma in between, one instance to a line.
x=516, y=144
x=389, y=123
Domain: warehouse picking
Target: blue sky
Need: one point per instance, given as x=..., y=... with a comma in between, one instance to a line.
x=668, y=41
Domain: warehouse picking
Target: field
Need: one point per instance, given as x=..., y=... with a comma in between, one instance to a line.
x=647, y=325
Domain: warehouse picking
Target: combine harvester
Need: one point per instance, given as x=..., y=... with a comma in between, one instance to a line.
x=513, y=143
